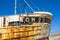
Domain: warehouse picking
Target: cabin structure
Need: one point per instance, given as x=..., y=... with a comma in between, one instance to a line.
x=35, y=26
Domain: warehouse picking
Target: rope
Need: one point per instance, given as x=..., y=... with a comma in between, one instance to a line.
x=28, y=5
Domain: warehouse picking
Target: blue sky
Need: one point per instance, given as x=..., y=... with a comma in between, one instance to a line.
x=53, y=6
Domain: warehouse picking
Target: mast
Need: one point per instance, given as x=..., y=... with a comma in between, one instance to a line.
x=15, y=8
x=15, y=11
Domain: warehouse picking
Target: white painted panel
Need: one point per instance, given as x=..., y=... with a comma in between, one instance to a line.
x=12, y=18
x=43, y=13
x=1, y=22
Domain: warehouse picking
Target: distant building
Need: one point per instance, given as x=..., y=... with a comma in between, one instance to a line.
x=55, y=36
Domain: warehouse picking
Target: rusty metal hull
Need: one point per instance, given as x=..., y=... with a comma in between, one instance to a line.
x=44, y=38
